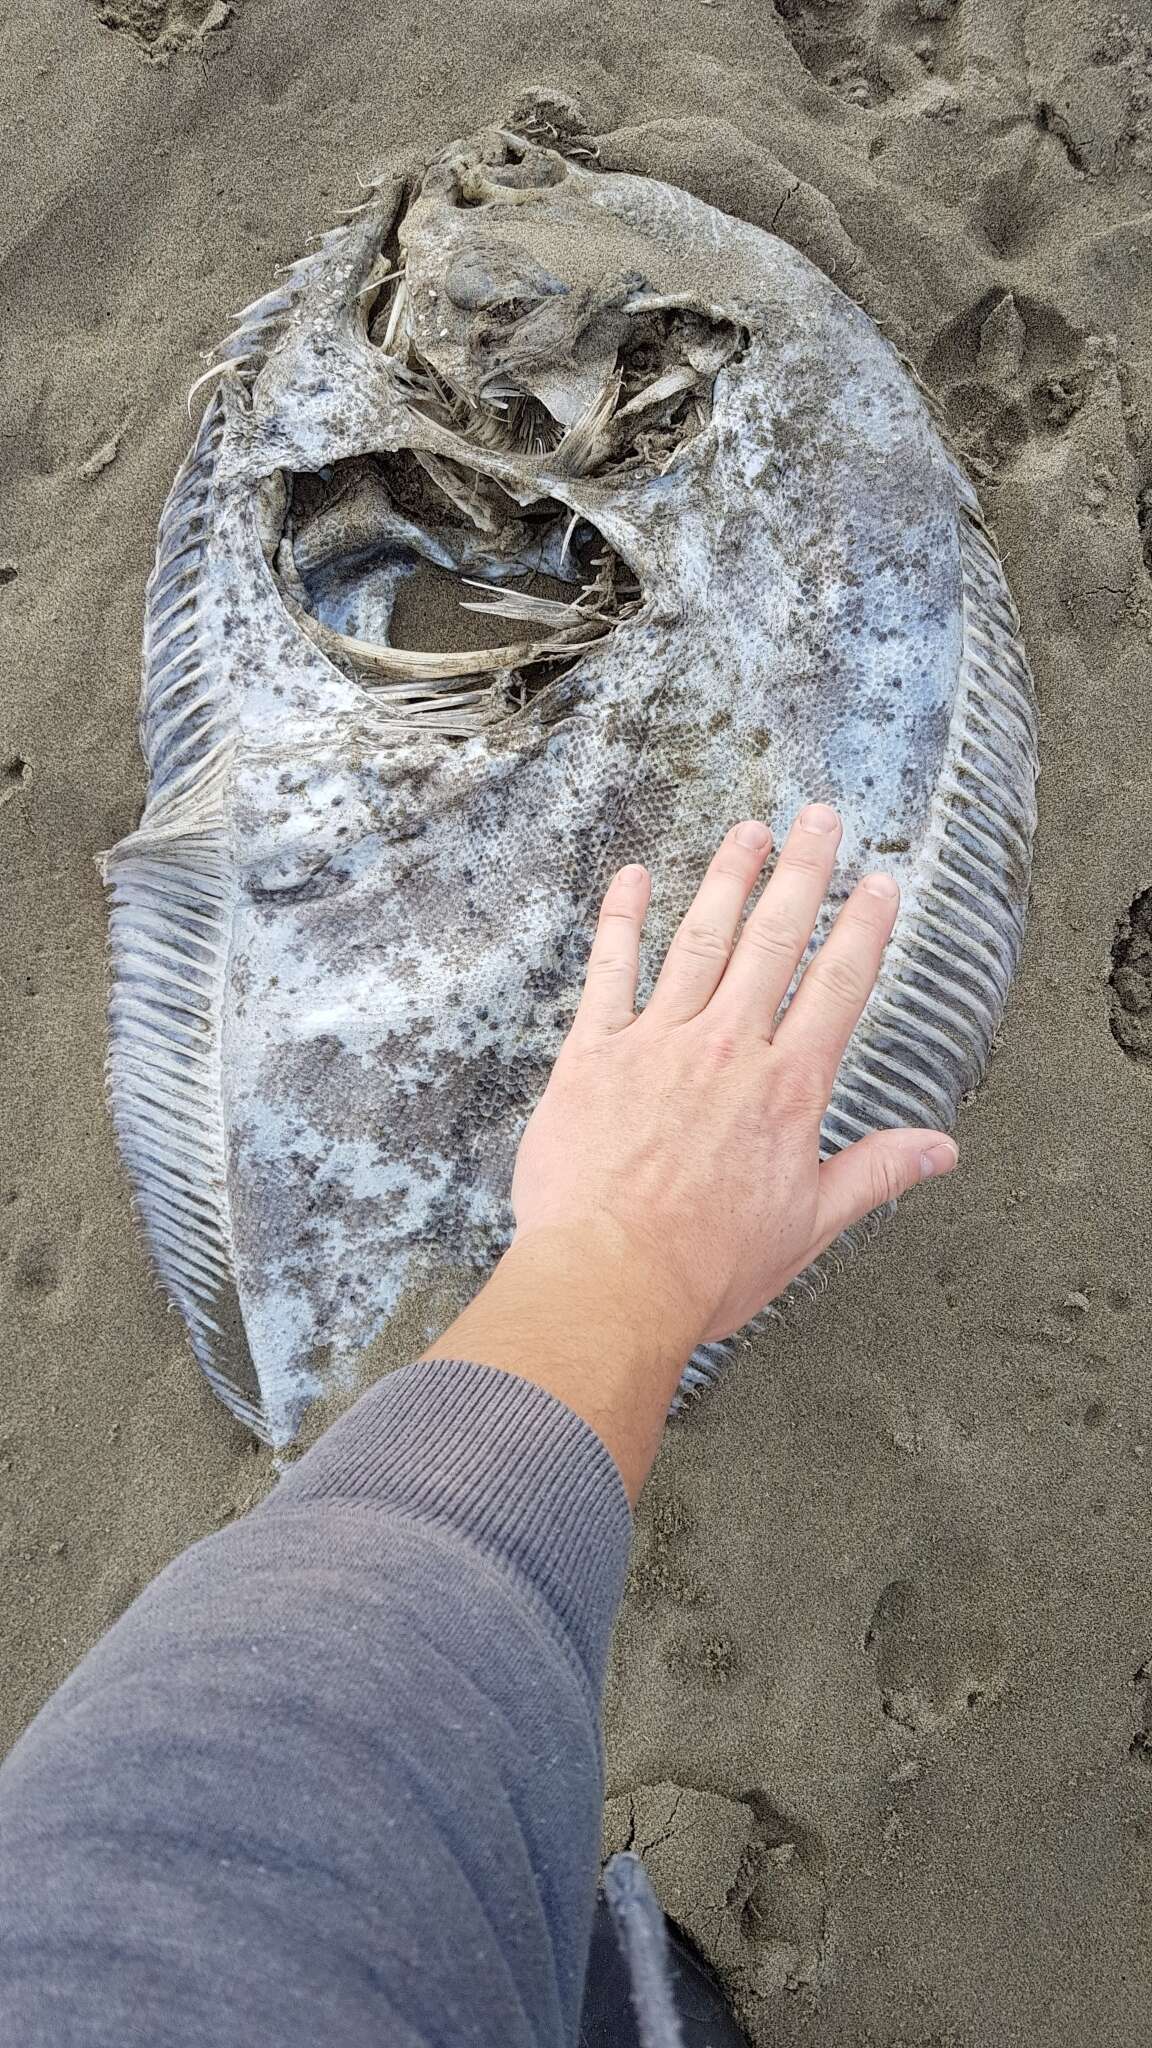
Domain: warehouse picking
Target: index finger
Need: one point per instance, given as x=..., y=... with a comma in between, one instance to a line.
x=608, y=999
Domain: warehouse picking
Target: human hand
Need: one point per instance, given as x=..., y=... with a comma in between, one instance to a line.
x=669, y=1182
x=687, y=1138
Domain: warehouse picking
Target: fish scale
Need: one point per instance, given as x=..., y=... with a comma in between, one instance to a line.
x=349, y=931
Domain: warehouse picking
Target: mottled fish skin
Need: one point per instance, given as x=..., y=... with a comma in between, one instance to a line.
x=346, y=951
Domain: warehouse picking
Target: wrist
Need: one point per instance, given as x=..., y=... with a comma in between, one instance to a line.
x=587, y=1311
x=606, y=1272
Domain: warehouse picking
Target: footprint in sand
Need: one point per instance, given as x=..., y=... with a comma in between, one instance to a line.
x=710, y=1659
x=936, y=1651
x=658, y=1575
x=1130, y=982
x=162, y=27
x=35, y=1268
x=871, y=51
x=1098, y=112
x=1006, y=368
x=743, y=1880
x=835, y=44
x=679, y=1622
x=15, y=775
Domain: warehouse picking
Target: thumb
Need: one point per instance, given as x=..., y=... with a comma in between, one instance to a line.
x=875, y=1171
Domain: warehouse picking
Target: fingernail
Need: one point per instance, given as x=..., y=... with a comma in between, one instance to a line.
x=818, y=818
x=634, y=873
x=752, y=835
x=938, y=1158
x=881, y=885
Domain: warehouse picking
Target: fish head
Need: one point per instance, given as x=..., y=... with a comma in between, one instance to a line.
x=528, y=273
x=510, y=288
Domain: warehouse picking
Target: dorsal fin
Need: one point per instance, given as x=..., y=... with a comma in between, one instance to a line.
x=172, y=885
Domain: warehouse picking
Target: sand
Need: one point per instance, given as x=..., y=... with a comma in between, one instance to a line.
x=881, y=1702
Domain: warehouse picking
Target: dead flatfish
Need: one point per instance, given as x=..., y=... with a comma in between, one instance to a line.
x=542, y=519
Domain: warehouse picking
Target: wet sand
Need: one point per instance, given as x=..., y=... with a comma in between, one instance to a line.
x=880, y=1713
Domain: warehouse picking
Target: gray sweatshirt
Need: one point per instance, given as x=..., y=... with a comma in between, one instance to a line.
x=335, y=1779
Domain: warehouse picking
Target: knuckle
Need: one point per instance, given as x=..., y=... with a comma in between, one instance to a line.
x=774, y=938
x=843, y=980
x=839, y=975
x=886, y=1180
x=722, y=1048
x=865, y=925
x=729, y=864
x=809, y=854
x=703, y=941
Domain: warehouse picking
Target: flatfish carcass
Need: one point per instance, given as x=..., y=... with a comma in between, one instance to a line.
x=542, y=519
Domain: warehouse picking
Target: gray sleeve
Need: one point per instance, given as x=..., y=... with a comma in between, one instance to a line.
x=335, y=1777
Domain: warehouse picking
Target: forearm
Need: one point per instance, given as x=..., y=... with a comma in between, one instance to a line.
x=587, y=1315
x=336, y=1775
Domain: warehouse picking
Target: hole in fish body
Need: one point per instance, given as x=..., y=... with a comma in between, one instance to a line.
x=412, y=581
x=544, y=519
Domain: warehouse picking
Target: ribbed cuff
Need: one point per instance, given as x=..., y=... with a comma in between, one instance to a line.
x=494, y=1459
